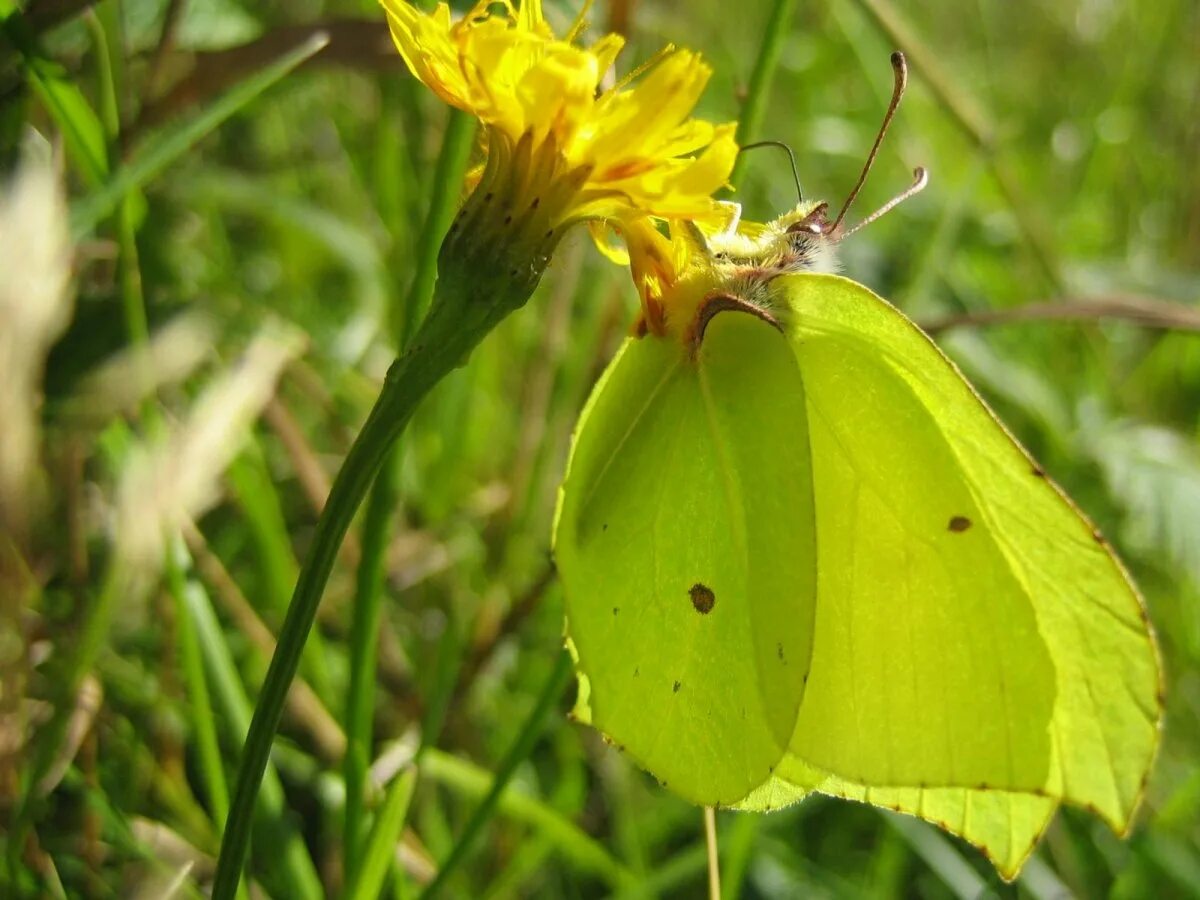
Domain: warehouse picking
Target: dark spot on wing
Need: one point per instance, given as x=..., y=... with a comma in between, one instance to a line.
x=702, y=598
x=959, y=524
x=676, y=688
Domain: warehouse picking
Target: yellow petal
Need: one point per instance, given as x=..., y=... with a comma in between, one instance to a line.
x=424, y=44
x=606, y=237
x=557, y=91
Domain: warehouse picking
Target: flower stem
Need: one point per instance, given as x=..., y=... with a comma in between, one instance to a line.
x=755, y=106
x=465, y=308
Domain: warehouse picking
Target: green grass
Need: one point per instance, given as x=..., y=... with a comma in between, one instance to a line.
x=1061, y=142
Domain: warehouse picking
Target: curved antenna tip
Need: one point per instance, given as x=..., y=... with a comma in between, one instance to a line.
x=920, y=180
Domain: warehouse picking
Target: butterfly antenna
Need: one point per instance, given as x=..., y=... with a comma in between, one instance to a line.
x=920, y=179
x=900, y=72
x=791, y=158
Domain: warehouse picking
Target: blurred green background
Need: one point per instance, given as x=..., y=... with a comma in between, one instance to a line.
x=1056, y=253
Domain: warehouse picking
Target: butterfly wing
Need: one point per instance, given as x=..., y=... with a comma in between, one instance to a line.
x=684, y=539
x=1004, y=825
x=973, y=632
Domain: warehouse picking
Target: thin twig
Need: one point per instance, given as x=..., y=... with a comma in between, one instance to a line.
x=1150, y=312
x=303, y=458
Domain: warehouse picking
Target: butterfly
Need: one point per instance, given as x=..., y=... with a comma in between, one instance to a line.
x=801, y=554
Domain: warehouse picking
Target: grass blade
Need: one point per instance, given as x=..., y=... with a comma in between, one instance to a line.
x=517, y=754
x=175, y=140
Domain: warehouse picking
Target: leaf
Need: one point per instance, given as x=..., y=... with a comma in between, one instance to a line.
x=686, y=552
x=977, y=652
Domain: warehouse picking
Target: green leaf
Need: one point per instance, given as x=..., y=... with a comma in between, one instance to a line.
x=978, y=653
x=685, y=542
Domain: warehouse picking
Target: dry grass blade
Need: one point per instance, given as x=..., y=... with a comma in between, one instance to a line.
x=35, y=307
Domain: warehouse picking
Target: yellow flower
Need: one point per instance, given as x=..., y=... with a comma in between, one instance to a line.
x=625, y=151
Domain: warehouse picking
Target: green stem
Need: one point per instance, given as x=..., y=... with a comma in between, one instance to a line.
x=364, y=640
x=755, y=106
x=365, y=883
x=466, y=307
x=517, y=754
x=490, y=262
x=368, y=596
x=208, y=749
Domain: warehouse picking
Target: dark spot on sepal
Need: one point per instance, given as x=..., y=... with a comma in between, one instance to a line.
x=676, y=687
x=958, y=524
x=616, y=609
x=779, y=653
x=703, y=599
x=982, y=786
x=637, y=670
x=1098, y=537
x=1038, y=472
x=536, y=201
x=604, y=527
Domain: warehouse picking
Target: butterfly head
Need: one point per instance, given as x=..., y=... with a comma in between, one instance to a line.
x=736, y=266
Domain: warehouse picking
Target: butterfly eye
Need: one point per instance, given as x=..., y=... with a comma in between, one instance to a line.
x=814, y=223
x=805, y=226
